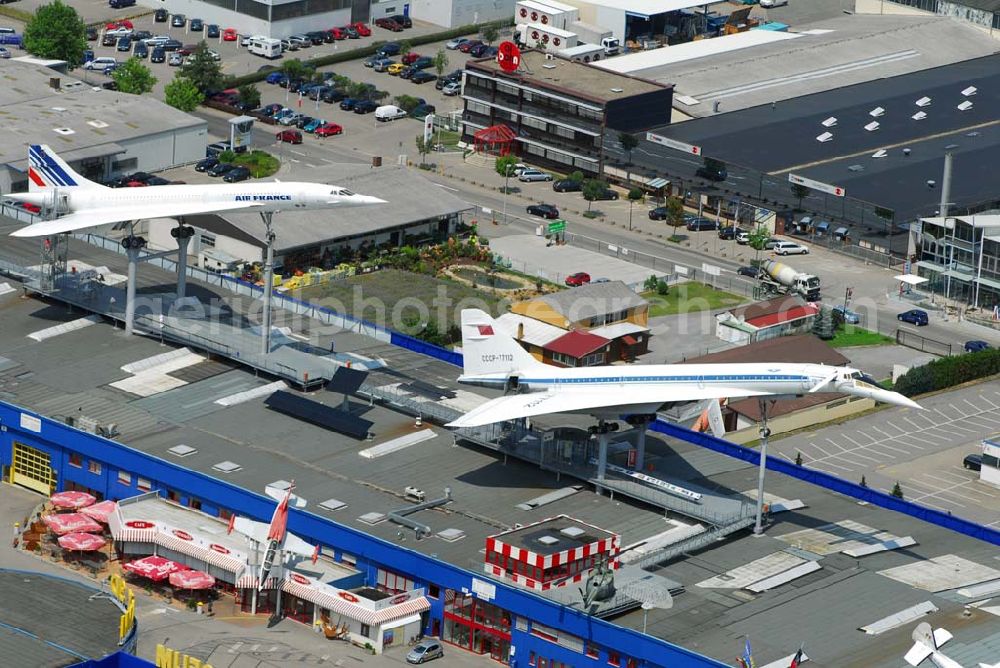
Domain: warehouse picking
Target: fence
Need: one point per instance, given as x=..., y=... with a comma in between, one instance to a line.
x=922, y=343
x=833, y=483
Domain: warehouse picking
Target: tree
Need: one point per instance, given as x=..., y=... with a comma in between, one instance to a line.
x=634, y=195
x=183, y=94
x=405, y=47
x=489, y=33
x=758, y=237
x=56, y=31
x=296, y=69
x=134, y=77
x=823, y=325
x=440, y=61
x=203, y=70
x=864, y=482
x=340, y=82
x=250, y=96
x=576, y=177
x=897, y=491
x=423, y=147
x=675, y=211
x=798, y=459
x=504, y=165
x=629, y=143
x=800, y=192
x=406, y=102
x=593, y=189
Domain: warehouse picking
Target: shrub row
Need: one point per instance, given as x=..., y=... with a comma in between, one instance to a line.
x=948, y=372
x=364, y=52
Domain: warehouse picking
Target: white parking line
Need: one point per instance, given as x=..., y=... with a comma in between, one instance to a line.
x=825, y=453
x=820, y=465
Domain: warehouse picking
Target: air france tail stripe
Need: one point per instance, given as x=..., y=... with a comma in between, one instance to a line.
x=33, y=175
x=50, y=167
x=39, y=165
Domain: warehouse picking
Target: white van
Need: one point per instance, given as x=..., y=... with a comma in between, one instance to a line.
x=267, y=47
x=389, y=112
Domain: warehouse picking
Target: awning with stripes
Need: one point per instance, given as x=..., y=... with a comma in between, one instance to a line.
x=341, y=603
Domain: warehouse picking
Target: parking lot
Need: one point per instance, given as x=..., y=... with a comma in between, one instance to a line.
x=923, y=450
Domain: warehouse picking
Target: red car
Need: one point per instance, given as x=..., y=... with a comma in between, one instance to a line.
x=337, y=33
x=328, y=129
x=362, y=29
x=409, y=58
x=29, y=207
x=389, y=24
x=465, y=46
x=289, y=136
x=136, y=184
x=119, y=24
x=578, y=279
x=229, y=35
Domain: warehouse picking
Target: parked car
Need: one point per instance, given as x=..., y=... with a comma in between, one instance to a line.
x=289, y=136
x=567, y=186
x=347, y=104
x=102, y=64
x=842, y=314
x=317, y=37
x=607, y=194
x=275, y=78
x=124, y=44
x=230, y=35
x=546, y=211
x=452, y=45
x=578, y=279
x=157, y=181
x=270, y=110
x=729, y=232
x=421, y=110
x=767, y=4
x=88, y=54
x=452, y=89
x=236, y=174
x=742, y=238
x=212, y=31
x=425, y=650
x=371, y=60
x=158, y=55
x=466, y=46
x=409, y=58
x=311, y=126
x=531, y=175
x=365, y=107
x=659, y=213
x=479, y=50
x=301, y=41
x=197, y=25
x=699, y=224
x=712, y=173
x=91, y=34
x=333, y=95
x=178, y=20
x=388, y=24
x=362, y=29
x=220, y=169
x=290, y=119
x=328, y=129
x=161, y=15
x=394, y=68
x=389, y=49
x=175, y=60
x=422, y=77
x=976, y=346
x=973, y=462
x=336, y=34
x=383, y=65
x=402, y=20
x=206, y=164
x=914, y=316
x=140, y=50
x=752, y=272
x=790, y=248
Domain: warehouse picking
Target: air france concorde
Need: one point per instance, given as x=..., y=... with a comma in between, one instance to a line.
x=80, y=203
x=494, y=359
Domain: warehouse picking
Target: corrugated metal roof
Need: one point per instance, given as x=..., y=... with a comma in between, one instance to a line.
x=535, y=332
x=593, y=299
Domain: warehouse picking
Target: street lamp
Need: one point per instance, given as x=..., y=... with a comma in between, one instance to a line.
x=506, y=190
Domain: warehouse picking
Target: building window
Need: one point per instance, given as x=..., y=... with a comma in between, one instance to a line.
x=433, y=591
x=94, y=467
x=614, y=659
x=143, y=484
x=194, y=504
x=124, y=477
x=531, y=659
x=593, y=651
x=477, y=107
x=75, y=460
x=224, y=514
x=366, y=630
x=173, y=496
x=208, y=240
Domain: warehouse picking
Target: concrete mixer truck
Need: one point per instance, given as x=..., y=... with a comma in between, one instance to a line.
x=782, y=279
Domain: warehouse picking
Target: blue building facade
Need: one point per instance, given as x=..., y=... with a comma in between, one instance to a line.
x=48, y=456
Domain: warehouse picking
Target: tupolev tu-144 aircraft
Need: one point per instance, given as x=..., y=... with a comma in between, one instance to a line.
x=80, y=203
x=494, y=359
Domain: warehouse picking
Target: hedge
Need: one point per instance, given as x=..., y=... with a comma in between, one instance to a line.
x=948, y=372
x=365, y=51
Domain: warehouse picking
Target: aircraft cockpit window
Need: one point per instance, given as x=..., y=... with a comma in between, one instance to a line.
x=341, y=192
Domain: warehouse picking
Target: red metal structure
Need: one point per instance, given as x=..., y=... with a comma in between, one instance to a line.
x=495, y=140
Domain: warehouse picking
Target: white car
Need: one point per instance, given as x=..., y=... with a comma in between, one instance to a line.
x=790, y=248
x=158, y=40
x=300, y=41
x=120, y=31
x=455, y=43
x=4, y=53
x=101, y=64
x=215, y=54
x=175, y=60
x=451, y=89
x=772, y=3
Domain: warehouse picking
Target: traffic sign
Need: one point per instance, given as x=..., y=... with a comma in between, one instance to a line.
x=690, y=149
x=557, y=226
x=509, y=56
x=817, y=185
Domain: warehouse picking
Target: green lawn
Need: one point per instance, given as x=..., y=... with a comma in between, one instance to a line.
x=385, y=296
x=690, y=298
x=855, y=336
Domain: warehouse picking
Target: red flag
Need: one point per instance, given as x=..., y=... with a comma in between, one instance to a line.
x=796, y=659
x=315, y=557
x=743, y=664
x=232, y=523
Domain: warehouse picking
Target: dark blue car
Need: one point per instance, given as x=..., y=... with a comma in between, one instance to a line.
x=275, y=77
x=976, y=346
x=914, y=316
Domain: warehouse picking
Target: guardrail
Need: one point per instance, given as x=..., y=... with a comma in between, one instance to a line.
x=919, y=342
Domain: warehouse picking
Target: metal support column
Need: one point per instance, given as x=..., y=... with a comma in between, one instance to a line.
x=265, y=332
x=602, y=452
x=640, y=455
x=758, y=529
x=943, y=212
x=183, y=235
x=132, y=245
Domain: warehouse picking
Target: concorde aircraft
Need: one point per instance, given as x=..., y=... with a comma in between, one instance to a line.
x=80, y=203
x=494, y=359
x=927, y=644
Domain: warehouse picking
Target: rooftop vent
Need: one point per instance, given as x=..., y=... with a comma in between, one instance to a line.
x=549, y=67
x=227, y=467
x=919, y=116
x=182, y=450
x=856, y=168
x=881, y=153
x=617, y=90
x=825, y=137
x=280, y=485
x=71, y=131
x=58, y=108
x=332, y=505
x=924, y=102
x=572, y=532
x=97, y=124
x=830, y=122
x=965, y=106
x=451, y=535
x=372, y=518
x=548, y=540
x=876, y=112
x=970, y=91
x=872, y=127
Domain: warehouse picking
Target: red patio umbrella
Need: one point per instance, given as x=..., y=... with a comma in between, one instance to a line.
x=100, y=511
x=192, y=580
x=72, y=500
x=154, y=568
x=81, y=542
x=70, y=523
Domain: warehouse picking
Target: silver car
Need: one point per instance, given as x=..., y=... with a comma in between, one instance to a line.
x=529, y=175
x=425, y=650
x=175, y=60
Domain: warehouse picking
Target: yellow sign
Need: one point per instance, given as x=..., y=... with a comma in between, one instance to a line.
x=124, y=595
x=172, y=658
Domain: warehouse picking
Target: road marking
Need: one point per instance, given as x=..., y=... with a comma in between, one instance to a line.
x=820, y=449
x=441, y=185
x=830, y=465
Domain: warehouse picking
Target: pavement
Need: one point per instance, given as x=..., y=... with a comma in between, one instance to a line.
x=921, y=449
